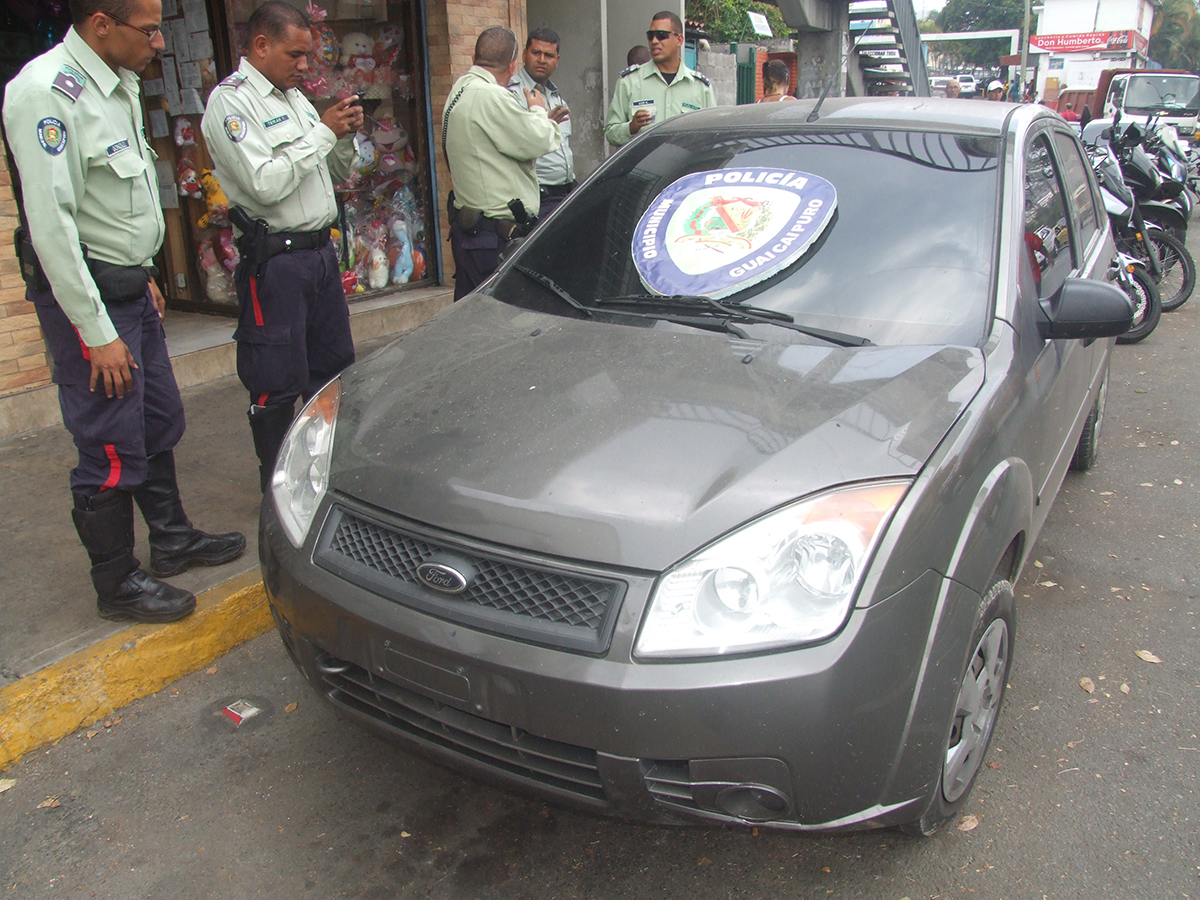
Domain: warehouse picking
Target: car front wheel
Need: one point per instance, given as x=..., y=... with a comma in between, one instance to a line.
x=980, y=694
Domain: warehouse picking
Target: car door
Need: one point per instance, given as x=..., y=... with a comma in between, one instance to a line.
x=1059, y=373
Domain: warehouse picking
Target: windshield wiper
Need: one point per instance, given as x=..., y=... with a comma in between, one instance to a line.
x=551, y=285
x=733, y=311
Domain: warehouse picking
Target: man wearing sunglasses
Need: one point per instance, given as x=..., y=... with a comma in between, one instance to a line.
x=658, y=90
x=73, y=120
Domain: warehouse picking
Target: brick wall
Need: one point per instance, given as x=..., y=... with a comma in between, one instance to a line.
x=23, y=361
x=453, y=27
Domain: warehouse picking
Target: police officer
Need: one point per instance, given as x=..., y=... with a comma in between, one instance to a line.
x=491, y=142
x=658, y=90
x=73, y=120
x=277, y=161
x=556, y=170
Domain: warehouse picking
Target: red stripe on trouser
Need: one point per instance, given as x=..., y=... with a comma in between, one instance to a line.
x=258, y=319
x=87, y=353
x=262, y=399
x=114, y=467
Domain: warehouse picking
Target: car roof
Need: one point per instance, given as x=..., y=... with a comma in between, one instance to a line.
x=918, y=113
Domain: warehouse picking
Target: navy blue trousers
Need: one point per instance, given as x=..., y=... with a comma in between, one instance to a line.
x=114, y=436
x=293, y=331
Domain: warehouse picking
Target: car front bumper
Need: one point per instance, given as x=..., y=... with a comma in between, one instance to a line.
x=844, y=734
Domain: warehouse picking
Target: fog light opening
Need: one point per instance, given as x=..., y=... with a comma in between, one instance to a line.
x=753, y=802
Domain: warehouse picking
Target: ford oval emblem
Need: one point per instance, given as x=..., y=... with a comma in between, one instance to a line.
x=442, y=577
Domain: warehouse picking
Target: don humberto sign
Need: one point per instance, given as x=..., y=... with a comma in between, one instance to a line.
x=715, y=233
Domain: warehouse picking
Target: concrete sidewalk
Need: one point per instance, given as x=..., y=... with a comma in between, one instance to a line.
x=61, y=666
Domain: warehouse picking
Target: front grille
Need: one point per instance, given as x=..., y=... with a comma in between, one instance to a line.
x=563, y=767
x=560, y=609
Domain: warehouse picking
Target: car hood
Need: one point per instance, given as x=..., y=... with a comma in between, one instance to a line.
x=621, y=445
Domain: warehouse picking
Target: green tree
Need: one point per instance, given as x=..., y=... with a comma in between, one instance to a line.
x=726, y=20
x=979, y=15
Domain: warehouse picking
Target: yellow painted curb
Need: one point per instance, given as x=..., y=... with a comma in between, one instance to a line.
x=88, y=685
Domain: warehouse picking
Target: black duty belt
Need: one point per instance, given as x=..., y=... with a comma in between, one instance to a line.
x=557, y=190
x=282, y=242
x=290, y=241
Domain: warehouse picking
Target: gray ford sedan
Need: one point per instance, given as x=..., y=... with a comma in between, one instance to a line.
x=709, y=504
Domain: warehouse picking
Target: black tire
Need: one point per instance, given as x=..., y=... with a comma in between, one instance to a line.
x=1177, y=276
x=976, y=710
x=1147, y=306
x=1089, y=441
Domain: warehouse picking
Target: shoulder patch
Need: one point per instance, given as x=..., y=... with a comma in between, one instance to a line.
x=69, y=82
x=52, y=135
x=235, y=128
x=237, y=79
x=628, y=71
x=702, y=78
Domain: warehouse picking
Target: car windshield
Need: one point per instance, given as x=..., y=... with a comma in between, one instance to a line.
x=1158, y=93
x=904, y=255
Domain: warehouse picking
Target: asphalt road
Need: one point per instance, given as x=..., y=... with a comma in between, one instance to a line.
x=1086, y=795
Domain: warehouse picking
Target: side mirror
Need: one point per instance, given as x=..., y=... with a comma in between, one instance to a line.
x=1085, y=309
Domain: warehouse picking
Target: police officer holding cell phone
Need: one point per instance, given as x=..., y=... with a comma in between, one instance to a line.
x=277, y=160
x=91, y=225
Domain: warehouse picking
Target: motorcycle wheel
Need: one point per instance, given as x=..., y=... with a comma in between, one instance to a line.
x=1147, y=306
x=1177, y=278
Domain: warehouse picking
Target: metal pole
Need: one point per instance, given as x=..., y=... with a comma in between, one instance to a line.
x=1024, y=53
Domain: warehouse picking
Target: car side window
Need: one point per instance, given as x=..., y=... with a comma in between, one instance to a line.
x=1079, y=188
x=1047, y=231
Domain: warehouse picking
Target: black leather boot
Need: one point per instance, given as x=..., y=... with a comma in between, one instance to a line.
x=175, y=546
x=269, y=426
x=123, y=591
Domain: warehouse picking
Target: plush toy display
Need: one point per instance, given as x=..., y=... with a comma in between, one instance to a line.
x=185, y=177
x=218, y=284
x=185, y=132
x=218, y=204
x=355, y=46
x=402, y=266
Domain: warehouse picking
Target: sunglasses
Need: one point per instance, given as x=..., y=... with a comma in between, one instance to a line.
x=659, y=35
x=150, y=33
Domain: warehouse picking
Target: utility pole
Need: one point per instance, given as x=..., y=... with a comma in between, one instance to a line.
x=1024, y=54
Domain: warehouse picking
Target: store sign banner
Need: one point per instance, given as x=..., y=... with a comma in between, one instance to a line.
x=717, y=232
x=1088, y=40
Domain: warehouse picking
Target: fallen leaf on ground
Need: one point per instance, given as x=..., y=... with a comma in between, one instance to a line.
x=1146, y=656
x=211, y=670
x=704, y=861
x=993, y=765
x=1124, y=689
x=405, y=834
x=1087, y=684
x=1047, y=584
x=49, y=803
x=1038, y=564
x=969, y=823
x=6, y=783
x=826, y=869
x=92, y=734
x=291, y=707
x=108, y=723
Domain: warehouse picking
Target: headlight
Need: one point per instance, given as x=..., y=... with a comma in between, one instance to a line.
x=302, y=470
x=786, y=579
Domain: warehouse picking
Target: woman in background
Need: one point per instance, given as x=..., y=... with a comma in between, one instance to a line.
x=775, y=77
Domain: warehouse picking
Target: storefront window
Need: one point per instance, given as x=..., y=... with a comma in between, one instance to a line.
x=370, y=48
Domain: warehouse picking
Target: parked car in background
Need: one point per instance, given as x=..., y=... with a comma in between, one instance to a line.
x=970, y=88
x=708, y=506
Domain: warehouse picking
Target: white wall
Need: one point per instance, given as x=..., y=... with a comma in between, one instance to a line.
x=1082, y=16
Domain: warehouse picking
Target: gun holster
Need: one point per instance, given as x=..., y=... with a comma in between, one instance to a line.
x=31, y=267
x=252, y=245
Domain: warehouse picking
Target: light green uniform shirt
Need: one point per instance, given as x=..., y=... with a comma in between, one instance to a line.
x=491, y=144
x=87, y=174
x=271, y=153
x=643, y=87
x=558, y=166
